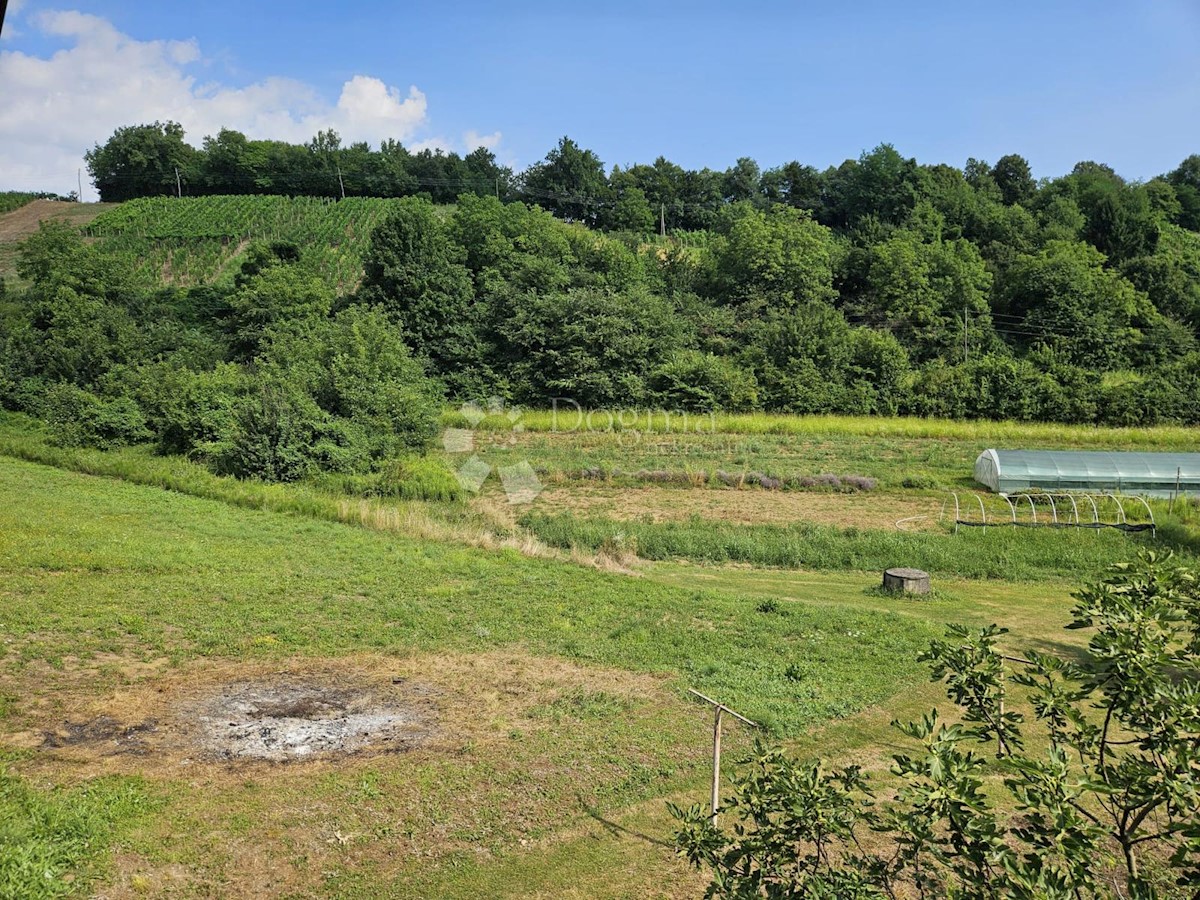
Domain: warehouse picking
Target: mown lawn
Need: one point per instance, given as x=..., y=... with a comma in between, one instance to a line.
x=95, y=573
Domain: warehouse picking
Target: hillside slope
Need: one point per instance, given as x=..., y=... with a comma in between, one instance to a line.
x=20, y=223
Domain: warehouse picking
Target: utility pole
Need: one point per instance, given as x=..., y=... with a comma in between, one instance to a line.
x=178, y=184
x=716, y=777
x=341, y=184
x=662, y=220
x=497, y=187
x=79, y=178
x=965, y=312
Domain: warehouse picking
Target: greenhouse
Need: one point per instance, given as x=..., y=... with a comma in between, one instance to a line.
x=1144, y=474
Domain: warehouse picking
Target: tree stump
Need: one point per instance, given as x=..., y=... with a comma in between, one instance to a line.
x=908, y=581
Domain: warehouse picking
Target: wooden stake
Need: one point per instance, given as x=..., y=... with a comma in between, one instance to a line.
x=716, y=781
x=716, y=776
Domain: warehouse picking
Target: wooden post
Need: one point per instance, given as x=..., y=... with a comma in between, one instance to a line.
x=716, y=780
x=1178, y=478
x=716, y=776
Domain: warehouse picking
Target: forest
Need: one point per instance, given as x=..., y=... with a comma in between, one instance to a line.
x=882, y=286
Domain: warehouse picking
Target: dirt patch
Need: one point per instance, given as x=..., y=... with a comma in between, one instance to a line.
x=21, y=223
x=101, y=730
x=288, y=720
x=280, y=718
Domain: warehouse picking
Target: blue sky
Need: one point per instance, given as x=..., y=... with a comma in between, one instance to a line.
x=701, y=83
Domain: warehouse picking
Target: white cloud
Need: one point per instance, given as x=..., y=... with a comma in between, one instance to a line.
x=471, y=140
x=57, y=106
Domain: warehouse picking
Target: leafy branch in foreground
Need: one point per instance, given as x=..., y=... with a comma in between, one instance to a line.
x=1108, y=805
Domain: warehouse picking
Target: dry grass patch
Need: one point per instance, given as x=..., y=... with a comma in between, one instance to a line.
x=749, y=507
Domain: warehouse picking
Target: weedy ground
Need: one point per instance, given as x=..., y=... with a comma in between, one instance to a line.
x=556, y=691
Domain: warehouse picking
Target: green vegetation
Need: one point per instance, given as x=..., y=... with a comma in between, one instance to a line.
x=99, y=569
x=262, y=380
x=52, y=841
x=152, y=586
x=1116, y=788
x=253, y=368
x=878, y=287
x=1013, y=554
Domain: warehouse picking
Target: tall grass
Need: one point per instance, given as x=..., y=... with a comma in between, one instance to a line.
x=993, y=553
x=567, y=419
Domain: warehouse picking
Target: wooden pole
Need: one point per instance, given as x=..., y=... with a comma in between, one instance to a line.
x=721, y=708
x=716, y=779
x=1178, y=478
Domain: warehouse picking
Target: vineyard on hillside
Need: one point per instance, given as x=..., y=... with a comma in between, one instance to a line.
x=197, y=240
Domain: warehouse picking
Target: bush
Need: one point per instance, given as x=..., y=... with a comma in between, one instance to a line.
x=78, y=418
x=702, y=382
x=278, y=433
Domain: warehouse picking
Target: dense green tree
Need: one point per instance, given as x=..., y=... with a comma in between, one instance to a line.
x=1186, y=181
x=1014, y=179
x=1171, y=276
x=632, y=212
x=592, y=346
x=923, y=292
x=273, y=295
x=569, y=182
x=801, y=356
x=1064, y=298
x=796, y=185
x=416, y=272
x=701, y=382
x=139, y=161
x=773, y=259
x=882, y=183
x=741, y=182
x=357, y=367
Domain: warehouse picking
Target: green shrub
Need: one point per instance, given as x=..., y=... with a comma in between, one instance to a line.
x=702, y=382
x=278, y=433
x=78, y=418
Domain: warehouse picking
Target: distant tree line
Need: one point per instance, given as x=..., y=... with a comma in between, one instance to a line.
x=573, y=183
x=155, y=160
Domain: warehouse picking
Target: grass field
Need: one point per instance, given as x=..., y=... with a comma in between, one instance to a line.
x=134, y=586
